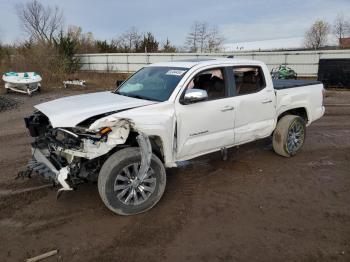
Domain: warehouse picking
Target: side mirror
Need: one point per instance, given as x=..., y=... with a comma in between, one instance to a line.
x=195, y=95
x=118, y=82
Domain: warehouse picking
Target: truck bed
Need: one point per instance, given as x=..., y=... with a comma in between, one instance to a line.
x=291, y=83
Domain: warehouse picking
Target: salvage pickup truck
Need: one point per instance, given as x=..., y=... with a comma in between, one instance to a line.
x=163, y=114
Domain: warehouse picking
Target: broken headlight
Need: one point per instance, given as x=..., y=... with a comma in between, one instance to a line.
x=79, y=133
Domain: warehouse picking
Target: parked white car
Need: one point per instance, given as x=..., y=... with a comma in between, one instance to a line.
x=163, y=114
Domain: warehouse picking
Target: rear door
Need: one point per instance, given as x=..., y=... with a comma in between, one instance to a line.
x=255, y=104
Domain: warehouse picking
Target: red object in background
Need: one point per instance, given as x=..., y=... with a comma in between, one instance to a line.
x=344, y=42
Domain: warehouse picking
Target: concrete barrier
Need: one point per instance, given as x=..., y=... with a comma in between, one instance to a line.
x=305, y=63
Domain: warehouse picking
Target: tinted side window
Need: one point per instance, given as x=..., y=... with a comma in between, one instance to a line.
x=212, y=81
x=248, y=79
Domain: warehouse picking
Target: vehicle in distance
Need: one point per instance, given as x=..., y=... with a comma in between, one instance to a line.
x=163, y=114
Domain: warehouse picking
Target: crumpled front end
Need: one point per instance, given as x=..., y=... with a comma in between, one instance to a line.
x=70, y=156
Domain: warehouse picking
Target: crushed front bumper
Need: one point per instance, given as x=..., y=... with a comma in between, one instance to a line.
x=43, y=165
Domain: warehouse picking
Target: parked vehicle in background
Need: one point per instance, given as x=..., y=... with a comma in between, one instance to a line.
x=163, y=114
x=334, y=72
x=26, y=83
x=283, y=72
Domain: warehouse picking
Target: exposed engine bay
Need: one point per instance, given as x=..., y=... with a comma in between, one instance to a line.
x=71, y=156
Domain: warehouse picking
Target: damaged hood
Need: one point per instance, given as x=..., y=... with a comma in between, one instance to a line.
x=70, y=111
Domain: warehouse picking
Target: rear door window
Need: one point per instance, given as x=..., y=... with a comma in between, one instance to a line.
x=248, y=79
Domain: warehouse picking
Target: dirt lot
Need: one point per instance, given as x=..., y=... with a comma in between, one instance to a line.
x=256, y=206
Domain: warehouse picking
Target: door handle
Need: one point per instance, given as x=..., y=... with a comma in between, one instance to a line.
x=227, y=108
x=266, y=101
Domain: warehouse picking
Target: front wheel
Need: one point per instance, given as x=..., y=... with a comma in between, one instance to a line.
x=122, y=191
x=289, y=135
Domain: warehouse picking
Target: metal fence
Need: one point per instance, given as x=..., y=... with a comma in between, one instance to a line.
x=305, y=63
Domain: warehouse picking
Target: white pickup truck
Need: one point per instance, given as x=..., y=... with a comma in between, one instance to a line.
x=163, y=114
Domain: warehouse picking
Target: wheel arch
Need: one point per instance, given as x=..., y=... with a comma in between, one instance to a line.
x=156, y=143
x=299, y=111
x=157, y=147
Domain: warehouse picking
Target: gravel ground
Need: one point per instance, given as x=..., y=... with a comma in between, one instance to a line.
x=256, y=206
x=7, y=103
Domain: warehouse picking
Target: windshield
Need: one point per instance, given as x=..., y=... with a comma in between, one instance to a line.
x=152, y=83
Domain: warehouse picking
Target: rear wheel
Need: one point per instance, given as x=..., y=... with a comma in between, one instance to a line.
x=120, y=188
x=289, y=135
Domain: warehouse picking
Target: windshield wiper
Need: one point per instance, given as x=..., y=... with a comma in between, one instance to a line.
x=143, y=97
x=136, y=96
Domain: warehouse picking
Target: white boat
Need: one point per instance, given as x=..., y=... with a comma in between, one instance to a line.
x=27, y=82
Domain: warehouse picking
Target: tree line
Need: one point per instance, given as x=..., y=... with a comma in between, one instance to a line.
x=316, y=36
x=51, y=47
x=44, y=24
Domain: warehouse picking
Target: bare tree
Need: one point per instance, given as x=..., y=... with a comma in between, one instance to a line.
x=192, y=39
x=41, y=23
x=75, y=32
x=215, y=40
x=130, y=40
x=203, y=38
x=316, y=36
x=341, y=26
x=85, y=41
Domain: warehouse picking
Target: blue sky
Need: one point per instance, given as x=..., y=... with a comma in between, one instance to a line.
x=239, y=21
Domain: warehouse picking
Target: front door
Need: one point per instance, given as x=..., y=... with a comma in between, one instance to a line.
x=208, y=125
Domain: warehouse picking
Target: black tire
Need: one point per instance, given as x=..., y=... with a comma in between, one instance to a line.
x=283, y=140
x=108, y=177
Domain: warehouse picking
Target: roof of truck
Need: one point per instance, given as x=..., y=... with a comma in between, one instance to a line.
x=204, y=62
